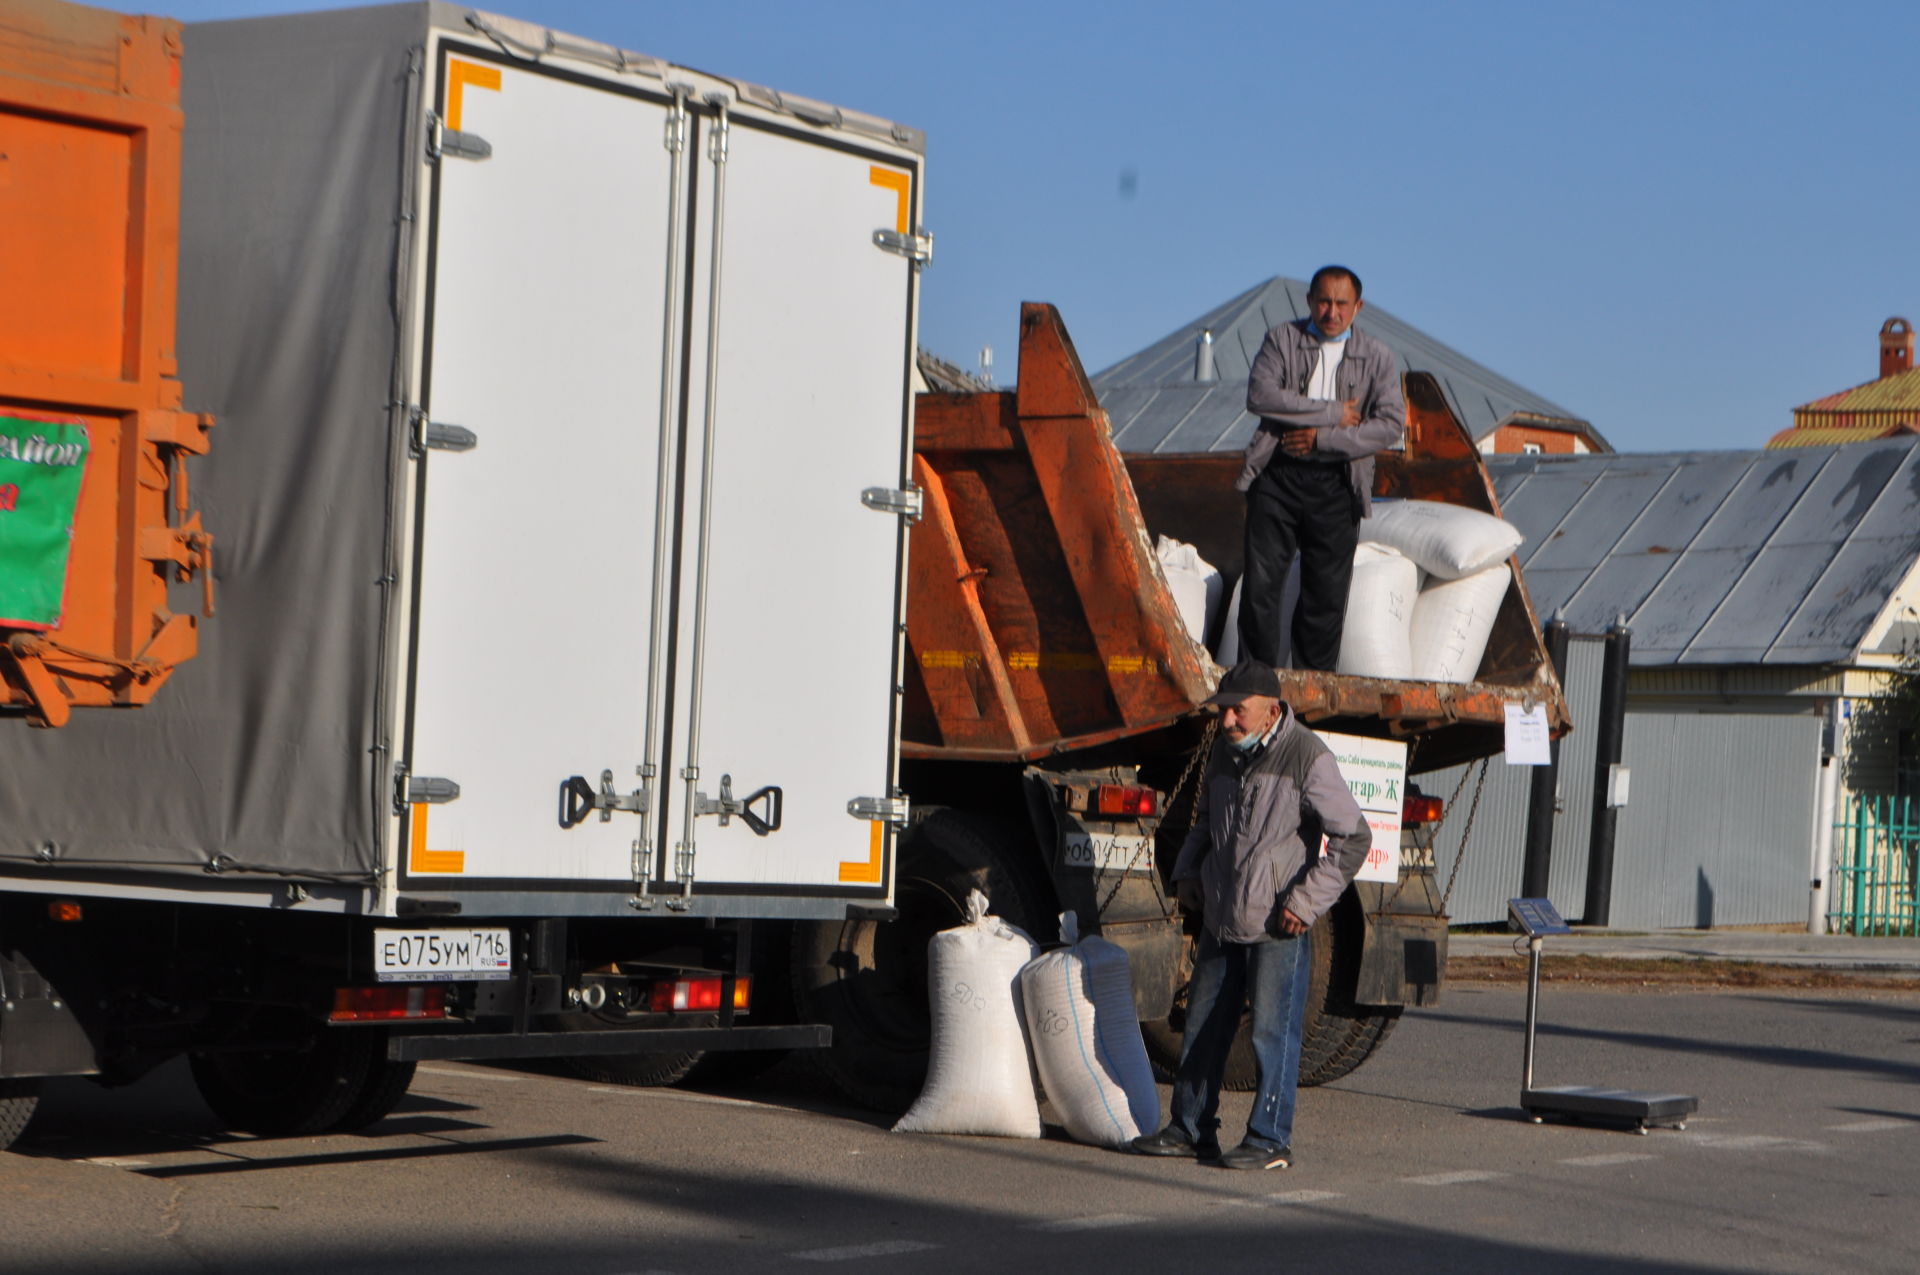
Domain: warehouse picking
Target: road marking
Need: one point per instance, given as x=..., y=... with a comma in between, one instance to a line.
x=1870, y=1126
x=884, y=1248
x=1095, y=1223
x=1751, y=1142
x=113, y=1162
x=1278, y=1197
x=1602, y=1161
x=459, y=1074
x=1456, y=1178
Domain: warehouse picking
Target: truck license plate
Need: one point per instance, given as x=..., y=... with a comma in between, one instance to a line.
x=1109, y=851
x=430, y=956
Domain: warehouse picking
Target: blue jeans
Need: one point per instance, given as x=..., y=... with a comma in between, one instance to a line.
x=1271, y=977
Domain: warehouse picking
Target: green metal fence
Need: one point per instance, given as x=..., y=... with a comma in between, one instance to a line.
x=1875, y=844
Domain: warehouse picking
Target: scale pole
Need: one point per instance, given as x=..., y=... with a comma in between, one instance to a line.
x=1534, y=943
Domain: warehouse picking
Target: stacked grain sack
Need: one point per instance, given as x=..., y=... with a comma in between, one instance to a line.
x=1428, y=580
x=1462, y=557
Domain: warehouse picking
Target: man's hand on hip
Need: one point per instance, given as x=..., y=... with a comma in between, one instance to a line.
x=1297, y=442
x=1192, y=898
x=1291, y=925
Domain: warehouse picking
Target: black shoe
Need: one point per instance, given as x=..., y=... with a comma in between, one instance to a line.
x=1257, y=1155
x=1174, y=1141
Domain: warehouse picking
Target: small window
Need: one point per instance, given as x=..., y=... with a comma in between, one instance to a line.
x=1531, y=449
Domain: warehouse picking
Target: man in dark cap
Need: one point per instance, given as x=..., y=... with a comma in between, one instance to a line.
x=1253, y=868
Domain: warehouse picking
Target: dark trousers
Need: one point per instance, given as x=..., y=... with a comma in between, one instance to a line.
x=1305, y=507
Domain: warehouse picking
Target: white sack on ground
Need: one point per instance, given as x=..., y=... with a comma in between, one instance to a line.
x=1452, y=620
x=978, y=1077
x=1449, y=541
x=1086, y=1039
x=1377, y=638
x=1229, y=652
x=1195, y=583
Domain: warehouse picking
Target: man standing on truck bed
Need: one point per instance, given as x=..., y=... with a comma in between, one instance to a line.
x=1270, y=790
x=1328, y=397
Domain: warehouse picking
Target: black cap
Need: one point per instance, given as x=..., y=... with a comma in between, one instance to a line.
x=1247, y=678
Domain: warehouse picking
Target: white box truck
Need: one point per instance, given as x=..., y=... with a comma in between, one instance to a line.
x=558, y=491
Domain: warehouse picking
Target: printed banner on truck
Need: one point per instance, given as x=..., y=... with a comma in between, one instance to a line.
x=42, y=466
x=1376, y=772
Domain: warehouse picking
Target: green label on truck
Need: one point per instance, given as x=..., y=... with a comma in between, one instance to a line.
x=42, y=464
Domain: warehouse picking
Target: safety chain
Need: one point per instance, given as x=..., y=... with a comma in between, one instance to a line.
x=1200, y=754
x=1465, y=834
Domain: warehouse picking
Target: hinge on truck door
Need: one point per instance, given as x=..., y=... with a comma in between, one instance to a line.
x=892, y=810
x=916, y=247
x=578, y=800
x=438, y=436
x=908, y=502
x=442, y=140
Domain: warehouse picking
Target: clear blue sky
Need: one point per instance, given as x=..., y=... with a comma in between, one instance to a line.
x=1676, y=219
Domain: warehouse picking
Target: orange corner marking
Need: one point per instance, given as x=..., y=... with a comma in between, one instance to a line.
x=868, y=872
x=901, y=185
x=421, y=859
x=459, y=75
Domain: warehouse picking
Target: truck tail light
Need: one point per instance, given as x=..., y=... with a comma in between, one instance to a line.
x=1125, y=799
x=669, y=994
x=1418, y=809
x=384, y=1004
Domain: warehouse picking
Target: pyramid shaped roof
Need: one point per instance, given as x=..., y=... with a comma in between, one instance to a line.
x=1157, y=406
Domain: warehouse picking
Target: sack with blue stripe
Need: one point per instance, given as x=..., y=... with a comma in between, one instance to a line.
x=1085, y=1035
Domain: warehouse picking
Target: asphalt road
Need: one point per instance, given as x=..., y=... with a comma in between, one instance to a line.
x=1801, y=1158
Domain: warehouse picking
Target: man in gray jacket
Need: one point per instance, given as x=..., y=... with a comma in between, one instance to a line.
x=1253, y=868
x=1328, y=398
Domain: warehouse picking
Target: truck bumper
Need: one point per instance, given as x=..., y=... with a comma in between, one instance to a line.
x=574, y=1044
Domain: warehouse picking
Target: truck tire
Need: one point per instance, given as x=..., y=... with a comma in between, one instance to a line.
x=293, y=1093
x=387, y=1083
x=18, y=1098
x=868, y=980
x=1336, y=1034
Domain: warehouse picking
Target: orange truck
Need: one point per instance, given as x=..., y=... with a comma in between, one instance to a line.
x=1053, y=722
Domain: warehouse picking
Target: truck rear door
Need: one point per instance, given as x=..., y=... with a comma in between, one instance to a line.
x=602, y=544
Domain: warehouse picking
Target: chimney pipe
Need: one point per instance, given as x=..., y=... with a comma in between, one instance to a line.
x=1203, y=355
x=1896, y=347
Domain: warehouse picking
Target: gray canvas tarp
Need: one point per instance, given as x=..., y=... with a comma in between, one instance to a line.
x=266, y=753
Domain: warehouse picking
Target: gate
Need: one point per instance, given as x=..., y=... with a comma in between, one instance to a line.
x=1876, y=840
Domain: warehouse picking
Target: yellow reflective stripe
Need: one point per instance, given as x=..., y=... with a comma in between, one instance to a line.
x=421, y=859
x=867, y=872
x=901, y=185
x=459, y=75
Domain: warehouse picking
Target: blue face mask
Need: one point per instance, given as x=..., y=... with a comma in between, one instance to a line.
x=1247, y=742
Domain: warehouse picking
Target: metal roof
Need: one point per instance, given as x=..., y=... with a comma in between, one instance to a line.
x=1157, y=406
x=1757, y=557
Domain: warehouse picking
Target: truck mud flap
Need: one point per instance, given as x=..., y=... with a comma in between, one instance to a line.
x=574, y=1044
x=1401, y=960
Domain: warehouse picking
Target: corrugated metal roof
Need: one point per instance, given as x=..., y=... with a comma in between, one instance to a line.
x=1760, y=557
x=1157, y=406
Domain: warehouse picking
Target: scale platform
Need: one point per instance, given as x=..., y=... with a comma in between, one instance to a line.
x=1601, y=1105
x=1636, y=1109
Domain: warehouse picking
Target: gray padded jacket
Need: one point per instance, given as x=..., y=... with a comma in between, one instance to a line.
x=1277, y=393
x=1251, y=828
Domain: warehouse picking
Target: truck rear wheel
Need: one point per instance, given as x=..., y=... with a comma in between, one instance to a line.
x=1336, y=1034
x=868, y=980
x=344, y=1080
x=18, y=1098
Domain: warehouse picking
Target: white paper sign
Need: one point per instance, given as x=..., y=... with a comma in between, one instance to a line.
x=1527, y=736
x=1376, y=773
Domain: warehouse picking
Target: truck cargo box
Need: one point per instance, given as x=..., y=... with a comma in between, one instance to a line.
x=564, y=401
x=1040, y=621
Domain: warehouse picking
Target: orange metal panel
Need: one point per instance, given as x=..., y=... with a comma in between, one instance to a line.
x=90, y=131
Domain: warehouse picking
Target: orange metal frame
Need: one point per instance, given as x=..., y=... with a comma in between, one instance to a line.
x=90, y=122
x=1037, y=619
